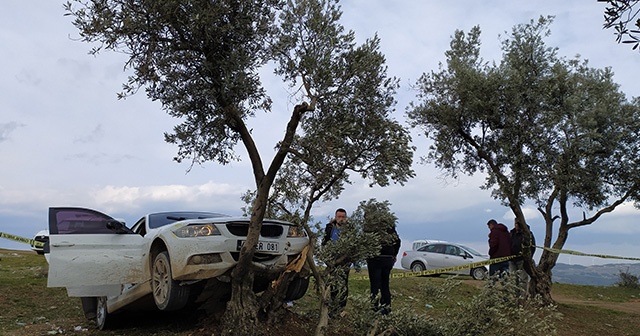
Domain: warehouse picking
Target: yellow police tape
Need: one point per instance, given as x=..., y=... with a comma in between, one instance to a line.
x=493, y=261
x=585, y=254
x=31, y=242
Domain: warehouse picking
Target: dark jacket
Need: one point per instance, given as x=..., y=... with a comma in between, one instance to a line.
x=327, y=232
x=499, y=242
x=391, y=249
x=517, y=242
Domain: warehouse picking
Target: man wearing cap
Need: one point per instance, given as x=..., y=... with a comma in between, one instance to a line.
x=499, y=246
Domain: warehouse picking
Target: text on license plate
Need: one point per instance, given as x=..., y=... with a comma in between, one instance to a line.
x=261, y=246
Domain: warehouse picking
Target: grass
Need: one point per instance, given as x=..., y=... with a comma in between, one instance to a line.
x=598, y=293
x=28, y=307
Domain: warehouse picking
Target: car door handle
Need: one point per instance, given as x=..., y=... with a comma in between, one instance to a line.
x=63, y=244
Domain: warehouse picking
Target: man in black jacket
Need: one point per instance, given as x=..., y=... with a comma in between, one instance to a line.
x=517, y=243
x=380, y=267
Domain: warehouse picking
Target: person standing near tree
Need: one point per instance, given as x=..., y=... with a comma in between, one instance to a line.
x=499, y=246
x=517, y=243
x=379, y=268
x=339, y=272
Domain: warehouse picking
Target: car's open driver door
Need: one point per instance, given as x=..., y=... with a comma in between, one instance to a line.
x=92, y=254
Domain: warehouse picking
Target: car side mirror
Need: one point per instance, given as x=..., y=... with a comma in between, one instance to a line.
x=118, y=227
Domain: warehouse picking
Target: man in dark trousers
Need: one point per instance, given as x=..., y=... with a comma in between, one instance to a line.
x=339, y=272
x=499, y=246
x=517, y=243
x=379, y=268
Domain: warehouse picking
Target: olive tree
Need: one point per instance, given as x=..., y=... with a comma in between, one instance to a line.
x=540, y=127
x=330, y=149
x=375, y=147
x=202, y=60
x=619, y=15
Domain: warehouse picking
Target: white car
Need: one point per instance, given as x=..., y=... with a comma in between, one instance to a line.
x=444, y=255
x=177, y=258
x=39, y=241
x=416, y=244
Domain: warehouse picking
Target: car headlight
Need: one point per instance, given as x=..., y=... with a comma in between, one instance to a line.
x=197, y=230
x=296, y=231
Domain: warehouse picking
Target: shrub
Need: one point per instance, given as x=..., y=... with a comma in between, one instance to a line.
x=401, y=321
x=439, y=293
x=627, y=280
x=500, y=309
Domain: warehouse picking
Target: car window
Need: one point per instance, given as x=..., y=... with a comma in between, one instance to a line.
x=472, y=251
x=78, y=221
x=452, y=250
x=139, y=227
x=439, y=248
x=429, y=248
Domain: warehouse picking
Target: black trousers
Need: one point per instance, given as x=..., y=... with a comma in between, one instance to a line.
x=379, y=270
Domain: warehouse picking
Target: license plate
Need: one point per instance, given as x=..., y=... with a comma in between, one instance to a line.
x=261, y=246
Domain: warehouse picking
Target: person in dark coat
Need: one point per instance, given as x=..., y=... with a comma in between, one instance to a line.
x=499, y=246
x=379, y=268
x=517, y=243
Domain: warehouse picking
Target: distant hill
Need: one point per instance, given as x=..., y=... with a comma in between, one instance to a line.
x=596, y=275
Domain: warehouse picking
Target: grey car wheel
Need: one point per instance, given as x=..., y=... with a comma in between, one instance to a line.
x=102, y=315
x=417, y=267
x=479, y=273
x=167, y=293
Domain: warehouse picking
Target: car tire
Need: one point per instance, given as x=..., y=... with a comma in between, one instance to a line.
x=102, y=314
x=417, y=267
x=167, y=293
x=479, y=273
x=297, y=288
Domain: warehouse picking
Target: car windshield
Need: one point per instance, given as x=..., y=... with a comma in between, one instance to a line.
x=472, y=251
x=157, y=220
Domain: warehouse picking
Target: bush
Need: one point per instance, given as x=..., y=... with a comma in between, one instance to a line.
x=401, y=321
x=439, y=293
x=500, y=309
x=627, y=280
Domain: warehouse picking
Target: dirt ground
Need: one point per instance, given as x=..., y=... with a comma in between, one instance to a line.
x=632, y=307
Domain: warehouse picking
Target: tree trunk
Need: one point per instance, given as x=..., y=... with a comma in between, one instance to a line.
x=241, y=316
x=323, y=320
x=541, y=275
x=540, y=285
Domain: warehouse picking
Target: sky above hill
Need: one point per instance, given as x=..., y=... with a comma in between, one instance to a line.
x=66, y=140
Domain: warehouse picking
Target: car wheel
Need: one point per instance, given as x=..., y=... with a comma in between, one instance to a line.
x=297, y=288
x=102, y=315
x=167, y=293
x=479, y=273
x=417, y=267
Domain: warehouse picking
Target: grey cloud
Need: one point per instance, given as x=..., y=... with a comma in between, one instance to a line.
x=98, y=159
x=7, y=128
x=92, y=137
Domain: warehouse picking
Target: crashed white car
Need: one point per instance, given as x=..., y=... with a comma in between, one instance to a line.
x=177, y=258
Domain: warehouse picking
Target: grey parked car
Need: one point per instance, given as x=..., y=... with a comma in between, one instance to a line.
x=443, y=255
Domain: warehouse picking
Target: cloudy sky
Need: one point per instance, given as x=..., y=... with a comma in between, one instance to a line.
x=66, y=140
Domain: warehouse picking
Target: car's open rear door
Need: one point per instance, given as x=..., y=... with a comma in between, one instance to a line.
x=89, y=257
